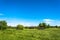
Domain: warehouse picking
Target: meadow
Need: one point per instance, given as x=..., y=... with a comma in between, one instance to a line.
x=30, y=34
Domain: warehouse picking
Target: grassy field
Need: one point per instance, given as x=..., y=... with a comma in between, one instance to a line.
x=30, y=34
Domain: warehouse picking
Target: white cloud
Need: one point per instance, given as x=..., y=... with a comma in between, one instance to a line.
x=14, y=22
x=48, y=21
x=52, y=22
x=22, y=23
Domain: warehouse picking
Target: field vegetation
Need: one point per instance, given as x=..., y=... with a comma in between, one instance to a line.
x=41, y=32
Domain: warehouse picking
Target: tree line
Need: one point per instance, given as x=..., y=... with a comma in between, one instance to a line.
x=3, y=26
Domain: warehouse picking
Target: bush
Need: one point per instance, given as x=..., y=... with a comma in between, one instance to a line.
x=3, y=25
x=20, y=27
x=48, y=26
x=42, y=26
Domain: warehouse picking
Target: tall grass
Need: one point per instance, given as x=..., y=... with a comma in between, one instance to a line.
x=30, y=34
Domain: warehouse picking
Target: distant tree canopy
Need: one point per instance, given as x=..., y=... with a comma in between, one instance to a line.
x=56, y=26
x=42, y=25
x=3, y=25
x=20, y=27
x=48, y=26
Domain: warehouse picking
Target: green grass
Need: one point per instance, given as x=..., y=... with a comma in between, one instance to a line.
x=30, y=34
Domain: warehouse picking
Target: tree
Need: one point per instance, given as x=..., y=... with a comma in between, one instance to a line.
x=20, y=27
x=3, y=25
x=56, y=26
x=42, y=25
x=48, y=26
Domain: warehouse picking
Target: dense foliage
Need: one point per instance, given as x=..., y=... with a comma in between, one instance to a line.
x=3, y=25
x=20, y=27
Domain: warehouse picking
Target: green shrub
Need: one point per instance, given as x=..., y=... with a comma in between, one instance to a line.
x=3, y=25
x=20, y=27
x=42, y=26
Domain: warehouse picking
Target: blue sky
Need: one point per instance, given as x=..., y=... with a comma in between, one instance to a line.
x=30, y=12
